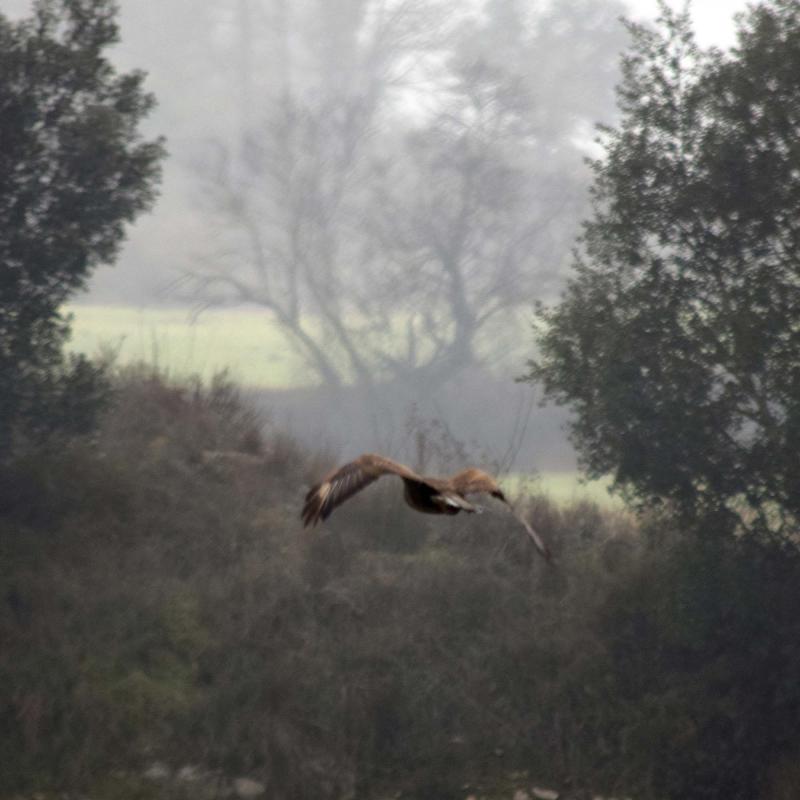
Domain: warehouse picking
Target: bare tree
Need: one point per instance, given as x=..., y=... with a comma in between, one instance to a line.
x=462, y=224
x=385, y=237
x=291, y=200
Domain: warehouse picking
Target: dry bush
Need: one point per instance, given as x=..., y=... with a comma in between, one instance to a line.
x=159, y=605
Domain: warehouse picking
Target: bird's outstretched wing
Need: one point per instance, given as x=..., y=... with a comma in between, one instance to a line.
x=343, y=482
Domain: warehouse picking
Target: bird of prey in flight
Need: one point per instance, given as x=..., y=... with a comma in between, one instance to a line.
x=423, y=493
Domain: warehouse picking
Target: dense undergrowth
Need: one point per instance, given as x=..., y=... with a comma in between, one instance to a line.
x=156, y=603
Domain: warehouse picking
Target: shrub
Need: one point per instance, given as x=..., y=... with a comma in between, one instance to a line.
x=156, y=604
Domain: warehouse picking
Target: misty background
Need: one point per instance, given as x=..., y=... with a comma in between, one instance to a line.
x=361, y=202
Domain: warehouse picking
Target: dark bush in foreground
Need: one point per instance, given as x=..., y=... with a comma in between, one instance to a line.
x=160, y=601
x=704, y=655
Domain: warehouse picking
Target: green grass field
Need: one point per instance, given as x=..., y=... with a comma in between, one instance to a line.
x=253, y=350
x=246, y=343
x=564, y=487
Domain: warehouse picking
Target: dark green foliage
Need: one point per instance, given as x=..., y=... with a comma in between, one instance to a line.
x=677, y=345
x=73, y=171
x=677, y=341
x=704, y=650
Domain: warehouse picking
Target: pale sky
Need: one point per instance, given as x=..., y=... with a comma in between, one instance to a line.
x=713, y=18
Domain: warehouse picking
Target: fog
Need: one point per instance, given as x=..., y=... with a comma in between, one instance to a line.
x=390, y=185
x=213, y=84
x=385, y=230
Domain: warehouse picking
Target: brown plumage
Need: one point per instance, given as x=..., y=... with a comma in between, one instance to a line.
x=423, y=493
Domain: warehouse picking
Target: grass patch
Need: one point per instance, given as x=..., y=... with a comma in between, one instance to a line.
x=244, y=341
x=565, y=488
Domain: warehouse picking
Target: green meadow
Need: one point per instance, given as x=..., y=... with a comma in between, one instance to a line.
x=255, y=353
x=566, y=488
x=245, y=342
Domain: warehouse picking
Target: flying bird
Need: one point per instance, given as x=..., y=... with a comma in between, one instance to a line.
x=423, y=493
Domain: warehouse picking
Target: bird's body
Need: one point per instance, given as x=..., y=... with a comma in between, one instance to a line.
x=430, y=495
x=436, y=495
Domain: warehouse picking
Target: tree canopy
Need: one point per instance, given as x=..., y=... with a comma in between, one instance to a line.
x=73, y=170
x=677, y=341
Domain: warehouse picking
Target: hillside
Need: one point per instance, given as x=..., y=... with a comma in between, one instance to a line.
x=164, y=614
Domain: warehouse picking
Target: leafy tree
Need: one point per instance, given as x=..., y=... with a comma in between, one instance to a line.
x=73, y=171
x=677, y=341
